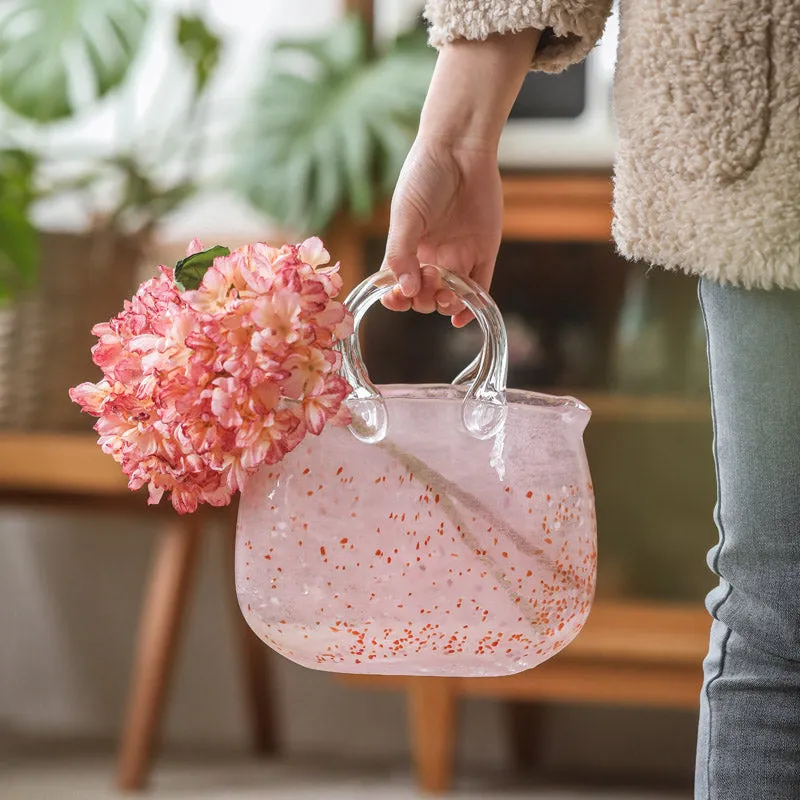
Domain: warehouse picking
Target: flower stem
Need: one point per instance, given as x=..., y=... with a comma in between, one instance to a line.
x=449, y=492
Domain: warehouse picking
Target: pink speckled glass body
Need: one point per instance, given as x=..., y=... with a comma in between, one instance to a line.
x=430, y=553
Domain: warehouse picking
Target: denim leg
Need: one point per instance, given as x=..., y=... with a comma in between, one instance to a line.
x=749, y=737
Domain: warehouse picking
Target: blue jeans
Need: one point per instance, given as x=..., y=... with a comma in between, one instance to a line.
x=749, y=738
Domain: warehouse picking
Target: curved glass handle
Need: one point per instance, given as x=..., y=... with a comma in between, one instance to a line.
x=484, y=409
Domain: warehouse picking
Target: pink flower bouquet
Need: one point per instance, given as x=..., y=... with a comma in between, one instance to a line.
x=219, y=366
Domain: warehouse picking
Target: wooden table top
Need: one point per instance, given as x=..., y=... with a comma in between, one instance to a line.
x=58, y=463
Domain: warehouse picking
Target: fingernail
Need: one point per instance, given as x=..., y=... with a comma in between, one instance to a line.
x=408, y=285
x=445, y=299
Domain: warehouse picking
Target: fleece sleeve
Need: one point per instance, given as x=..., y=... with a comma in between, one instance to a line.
x=571, y=28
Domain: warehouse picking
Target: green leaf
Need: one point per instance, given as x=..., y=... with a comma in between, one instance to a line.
x=53, y=52
x=189, y=271
x=19, y=254
x=336, y=134
x=16, y=176
x=336, y=53
x=200, y=46
x=19, y=250
x=415, y=38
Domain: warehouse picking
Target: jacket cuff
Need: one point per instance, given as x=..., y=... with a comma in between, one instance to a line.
x=571, y=28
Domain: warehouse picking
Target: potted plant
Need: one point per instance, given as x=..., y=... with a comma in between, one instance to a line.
x=55, y=284
x=332, y=123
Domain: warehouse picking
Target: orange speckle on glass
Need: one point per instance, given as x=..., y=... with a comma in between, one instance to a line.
x=505, y=555
x=322, y=551
x=548, y=540
x=310, y=493
x=306, y=471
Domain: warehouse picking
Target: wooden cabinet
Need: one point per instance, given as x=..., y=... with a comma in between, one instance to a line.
x=547, y=208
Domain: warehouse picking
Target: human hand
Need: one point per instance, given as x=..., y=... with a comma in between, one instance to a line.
x=447, y=207
x=447, y=210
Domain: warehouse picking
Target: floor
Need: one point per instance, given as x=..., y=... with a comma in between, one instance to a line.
x=91, y=778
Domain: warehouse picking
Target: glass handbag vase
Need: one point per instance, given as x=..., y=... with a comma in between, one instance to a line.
x=450, y=530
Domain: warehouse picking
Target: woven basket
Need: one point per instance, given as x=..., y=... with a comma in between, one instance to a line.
x=45, y=336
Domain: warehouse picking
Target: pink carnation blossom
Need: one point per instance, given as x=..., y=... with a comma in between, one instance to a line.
x=201, y=387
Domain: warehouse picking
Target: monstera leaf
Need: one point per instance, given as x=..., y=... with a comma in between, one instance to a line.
x=332, y=126
x=201, y=46
x=54, y=51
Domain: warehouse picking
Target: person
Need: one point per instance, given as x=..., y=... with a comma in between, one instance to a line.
x=707, y=181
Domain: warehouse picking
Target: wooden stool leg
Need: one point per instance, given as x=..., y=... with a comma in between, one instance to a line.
x=525, y=734
x=432, y=708
x=258, y=694
x=257, y=678
x=159, y=629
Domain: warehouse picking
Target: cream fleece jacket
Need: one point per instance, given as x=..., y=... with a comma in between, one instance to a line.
x=707, y=99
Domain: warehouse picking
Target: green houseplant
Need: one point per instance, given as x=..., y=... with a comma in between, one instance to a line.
x=333, y=121
x=62, y=61
x=41, y=43
x=18, y=245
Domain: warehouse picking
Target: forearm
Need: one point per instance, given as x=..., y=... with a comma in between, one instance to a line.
x=474, y=86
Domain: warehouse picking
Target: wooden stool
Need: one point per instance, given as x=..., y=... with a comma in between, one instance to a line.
x=71, y=471
x=631, y=654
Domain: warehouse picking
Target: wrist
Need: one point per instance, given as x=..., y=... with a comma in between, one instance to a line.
x=473, y=88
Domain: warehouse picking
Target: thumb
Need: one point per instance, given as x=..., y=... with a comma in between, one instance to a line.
x=405, y=231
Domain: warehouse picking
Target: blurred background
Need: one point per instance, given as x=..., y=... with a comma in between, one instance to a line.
x=128, y=127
